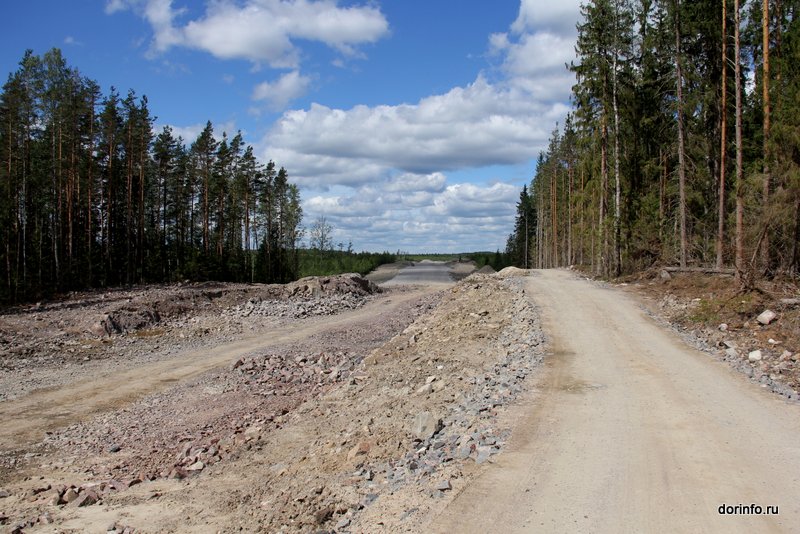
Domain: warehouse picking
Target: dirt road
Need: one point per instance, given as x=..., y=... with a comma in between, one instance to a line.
x=632, y=431
x=26, y=419
x=424, y=272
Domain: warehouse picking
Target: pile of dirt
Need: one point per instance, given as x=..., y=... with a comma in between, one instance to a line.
x=510, y=272
x=342, y=432
x=344, y=284
x=486, y=269
x=81, y=334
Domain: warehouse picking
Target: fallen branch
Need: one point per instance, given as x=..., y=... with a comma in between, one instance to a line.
x=706, y=270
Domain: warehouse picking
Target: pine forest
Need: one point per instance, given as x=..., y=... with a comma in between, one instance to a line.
x=91, y=196
x=682, y=147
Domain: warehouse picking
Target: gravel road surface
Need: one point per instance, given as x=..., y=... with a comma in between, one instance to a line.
x=425, y=272
x=633, y=431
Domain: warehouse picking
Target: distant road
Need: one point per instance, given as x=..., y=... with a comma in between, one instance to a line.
x=426, y=272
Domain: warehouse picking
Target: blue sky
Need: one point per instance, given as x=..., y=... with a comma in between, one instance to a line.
x=408, y=124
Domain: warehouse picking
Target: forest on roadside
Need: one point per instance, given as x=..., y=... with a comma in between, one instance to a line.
x=682, y=147
x=91, y=196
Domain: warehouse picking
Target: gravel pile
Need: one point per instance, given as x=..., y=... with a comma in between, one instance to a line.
x=298, y=307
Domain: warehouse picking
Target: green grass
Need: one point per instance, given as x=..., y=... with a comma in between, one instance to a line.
x=330, y=262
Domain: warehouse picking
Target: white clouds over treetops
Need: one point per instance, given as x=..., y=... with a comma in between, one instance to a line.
x=456, y=218
x=260, y=30
x=376, y=169
x=279, y=93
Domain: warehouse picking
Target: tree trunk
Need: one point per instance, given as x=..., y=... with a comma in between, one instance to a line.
x=569, y=213
x=765, y=256
x=739, y=170
x=681, y=147
x=582, y=227
x=617, y=186
x=603, y=245
x=723, y=139
x=554, y=214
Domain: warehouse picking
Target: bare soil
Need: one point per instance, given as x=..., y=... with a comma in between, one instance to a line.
x=715, y=315
x=227, y=416
x=330, y=405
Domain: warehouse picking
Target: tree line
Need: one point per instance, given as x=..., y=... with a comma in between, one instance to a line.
x=91, y=196
x=682, y=147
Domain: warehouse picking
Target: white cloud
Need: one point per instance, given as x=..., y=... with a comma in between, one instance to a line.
x=409, y=182
x=112, y=6
x=540, y=45
x=454, y=218
x=260, y=30
x=474, y=126
x=535, y=15
x=472, y=201
x=377, y=172
x=279, y=93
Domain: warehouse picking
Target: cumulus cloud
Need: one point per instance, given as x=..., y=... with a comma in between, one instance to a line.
x=540, y=43
x=279, y=93
x=409, y=182
x=536, y=15
x=260, y=30
x=378, y=172
x=454, y=218
x=472, y=201
x=478, y=125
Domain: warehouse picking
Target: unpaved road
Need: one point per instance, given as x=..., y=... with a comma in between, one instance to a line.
x=26, y=419
x=424, y=272
x=632, y=431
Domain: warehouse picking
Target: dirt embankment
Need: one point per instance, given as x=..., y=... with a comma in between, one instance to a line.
x=365, y=422
x=87, y=334
x=757, y=332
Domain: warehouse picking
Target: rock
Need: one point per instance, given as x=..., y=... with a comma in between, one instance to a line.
x=321, y=516
x=730, y=344
x=665, y=275
x=87, y=498
x=69, y=495
x=425, y=425
x=361, y=449
x=766, y=317
x=114, y=448
x=755, y=356
x=197, y=466
x=444, y=485
x=425, y=390
x=343, y=523
x=731, y=353
x=723, y=327
x=177, y=473
x=117, y=485
x=4, y=493
x=56, y=499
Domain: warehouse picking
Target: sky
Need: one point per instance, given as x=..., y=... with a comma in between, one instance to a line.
x=409, y=125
